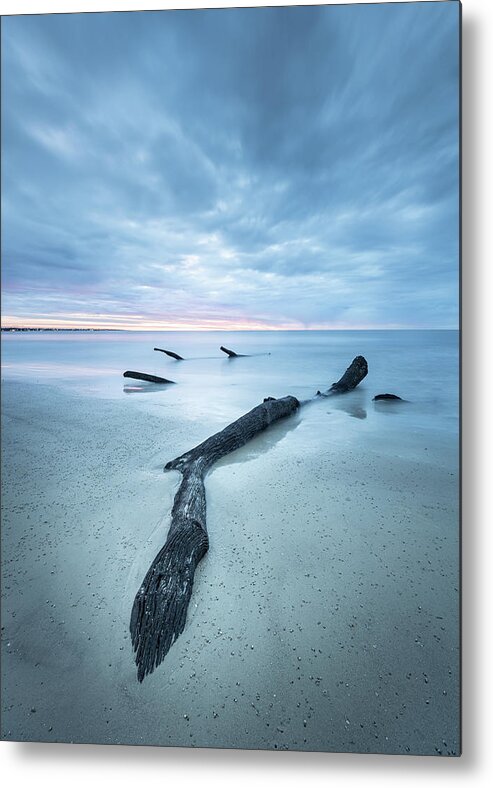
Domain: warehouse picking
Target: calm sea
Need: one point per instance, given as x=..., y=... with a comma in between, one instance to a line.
x=422, y=367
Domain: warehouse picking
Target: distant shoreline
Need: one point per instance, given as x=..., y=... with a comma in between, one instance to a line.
x=11, y=329
x=15, y=330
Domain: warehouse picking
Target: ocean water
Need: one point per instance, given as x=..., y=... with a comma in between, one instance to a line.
x=422, y=367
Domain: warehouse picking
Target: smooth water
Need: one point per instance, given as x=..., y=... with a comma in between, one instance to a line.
x=422, y=367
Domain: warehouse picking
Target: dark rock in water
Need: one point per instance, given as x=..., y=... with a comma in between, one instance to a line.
x=386, y=396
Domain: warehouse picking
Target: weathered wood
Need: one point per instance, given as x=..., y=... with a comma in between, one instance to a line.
x=230, y=353
x=160, y=606
x=170, y=353
x=145, y=376
x=379, y=397
x=354, y=374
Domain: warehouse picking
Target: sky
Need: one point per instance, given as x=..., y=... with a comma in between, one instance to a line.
x=265, y=168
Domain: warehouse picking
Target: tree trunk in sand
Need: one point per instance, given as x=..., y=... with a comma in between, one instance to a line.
x=160, y=607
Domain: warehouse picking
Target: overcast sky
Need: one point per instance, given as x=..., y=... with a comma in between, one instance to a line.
x=249, y=168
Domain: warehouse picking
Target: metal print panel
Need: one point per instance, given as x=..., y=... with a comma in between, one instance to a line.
x=230, y=378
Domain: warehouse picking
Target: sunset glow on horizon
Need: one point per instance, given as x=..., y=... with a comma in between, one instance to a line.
x=112, y=323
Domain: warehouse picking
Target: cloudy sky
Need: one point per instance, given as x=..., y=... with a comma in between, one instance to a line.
x=237, y=168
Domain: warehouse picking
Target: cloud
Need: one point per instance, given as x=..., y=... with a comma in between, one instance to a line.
x=284, y=166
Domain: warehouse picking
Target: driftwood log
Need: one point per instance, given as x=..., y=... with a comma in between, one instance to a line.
x=170, y=353
x=357, y=370
x=145, y=376
x=160, y=606
x=230, y=353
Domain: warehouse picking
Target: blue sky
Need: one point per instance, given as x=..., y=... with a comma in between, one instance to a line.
x=237, y=168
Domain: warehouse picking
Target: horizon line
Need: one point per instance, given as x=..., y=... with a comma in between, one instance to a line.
x=179, y=329
x=135, y=322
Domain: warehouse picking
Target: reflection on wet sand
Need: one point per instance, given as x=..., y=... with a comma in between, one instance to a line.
x=353, y=403
x=145, y=388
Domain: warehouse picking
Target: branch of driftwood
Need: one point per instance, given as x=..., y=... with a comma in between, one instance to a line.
x=230, y=353
x=160, y=606
x=170, y=353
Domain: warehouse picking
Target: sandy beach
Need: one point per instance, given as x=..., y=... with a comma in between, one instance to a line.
x=324, y=616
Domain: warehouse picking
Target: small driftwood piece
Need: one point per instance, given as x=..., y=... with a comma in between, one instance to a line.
x=230, y=353
x=379, y=397
x=170, y=353
x=160, y=607
x=145, y=376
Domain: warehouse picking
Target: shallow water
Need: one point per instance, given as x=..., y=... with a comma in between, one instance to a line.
x=419, y=366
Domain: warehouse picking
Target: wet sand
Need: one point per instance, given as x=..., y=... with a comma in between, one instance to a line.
x=324, y=617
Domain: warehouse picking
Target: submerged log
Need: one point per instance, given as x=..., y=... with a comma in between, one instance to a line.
x=160, y=607
x=170, y=353
x=145, y=376
x=230, y=353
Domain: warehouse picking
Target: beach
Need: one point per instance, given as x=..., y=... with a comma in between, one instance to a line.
x=324, y=617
